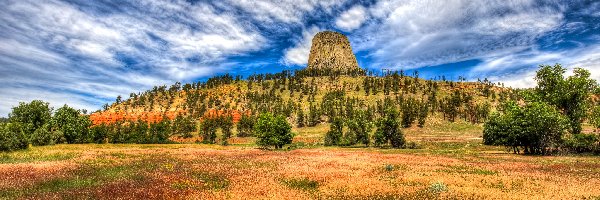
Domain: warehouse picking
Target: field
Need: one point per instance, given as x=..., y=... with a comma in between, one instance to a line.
x=450, y=163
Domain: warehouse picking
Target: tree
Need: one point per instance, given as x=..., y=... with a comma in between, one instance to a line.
x=334, y=135
x=159, y=132
x=300, y=118
x=184, y=126
x=273, y=131
x=72, y=124
x=570, y=95
x=31, y=116
x=359, y=127
x=12, y=137
x=226, y=124
x=595, y=117
x=388, y=130
x=43, y=136
x=245, y=127
x=422, y=116
x=208, y=130
x=535, y=128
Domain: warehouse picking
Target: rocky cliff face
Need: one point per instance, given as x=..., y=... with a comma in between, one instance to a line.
x=331, y=50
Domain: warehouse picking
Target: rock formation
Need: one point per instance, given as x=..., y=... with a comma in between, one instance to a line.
x=331, y=50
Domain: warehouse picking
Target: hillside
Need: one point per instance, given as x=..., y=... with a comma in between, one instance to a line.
x=287, y=94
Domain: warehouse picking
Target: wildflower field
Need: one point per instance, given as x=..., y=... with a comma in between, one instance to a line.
x=447, y=163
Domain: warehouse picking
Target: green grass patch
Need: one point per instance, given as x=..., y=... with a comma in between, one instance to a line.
x=34, y=156
x=212, y=181
x=301, y=184
x=461, y=169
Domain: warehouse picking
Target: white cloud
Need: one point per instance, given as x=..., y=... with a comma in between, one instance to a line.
x=518, y=70
x=411, y=33
x=287, y=11
x=352, y=18
x=80, y=56
x=298, y=55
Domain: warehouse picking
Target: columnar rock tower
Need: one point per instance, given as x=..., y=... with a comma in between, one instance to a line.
x=331, y=50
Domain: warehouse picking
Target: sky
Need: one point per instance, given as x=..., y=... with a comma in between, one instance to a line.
x=86, y=53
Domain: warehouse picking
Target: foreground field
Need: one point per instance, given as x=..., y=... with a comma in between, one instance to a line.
x=464, y=170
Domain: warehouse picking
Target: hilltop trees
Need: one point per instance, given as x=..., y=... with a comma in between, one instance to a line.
x=273, y=130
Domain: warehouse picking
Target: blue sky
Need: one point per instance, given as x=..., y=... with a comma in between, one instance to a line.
x=85, y=53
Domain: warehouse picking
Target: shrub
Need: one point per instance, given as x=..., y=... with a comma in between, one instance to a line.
x=99, y=133
x=12, y=137
x=580, y=143
x=273, y=131
x=388, y=130
x=595, y=117
x=42, y=136
x=245, y=126
x=535, y=128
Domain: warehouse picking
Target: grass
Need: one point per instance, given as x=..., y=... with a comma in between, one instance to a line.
x=442, y=168
x=301, y=184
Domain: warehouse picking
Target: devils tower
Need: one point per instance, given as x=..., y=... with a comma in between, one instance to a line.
x=331, y=50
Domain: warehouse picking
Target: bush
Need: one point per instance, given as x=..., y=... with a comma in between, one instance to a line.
x=535, y=128
x=42, y=136
x=12, y=137
x=245, y=126
x=595, y=117
x=580, y=143
x=388, y=130
x=359, y=127
x=273, y=131
x=99, y=133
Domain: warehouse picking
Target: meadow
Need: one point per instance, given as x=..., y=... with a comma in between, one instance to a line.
x=448, y=162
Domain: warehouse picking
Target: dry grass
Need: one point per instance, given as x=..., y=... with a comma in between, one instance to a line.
x=190, y=171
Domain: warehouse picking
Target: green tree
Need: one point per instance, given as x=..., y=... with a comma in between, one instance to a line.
x=31, y=116
x=570, y=95
x=388, y=130
x=72, y=124
x=184, y=126
x=226, y=124
x=300, y=118
x=12, y=137
x=535, y=128
x=245, y=127
x=595, y=117
x=360, y=127
x=208, y=130
x=159, y=132
x=334, y=135
x=273, y=131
